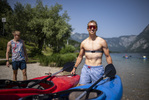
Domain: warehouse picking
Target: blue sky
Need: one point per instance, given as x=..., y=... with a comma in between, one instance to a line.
x=114, y=17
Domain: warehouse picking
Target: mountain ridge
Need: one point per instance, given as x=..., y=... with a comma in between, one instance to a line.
x=141, y=44
x=126, y=43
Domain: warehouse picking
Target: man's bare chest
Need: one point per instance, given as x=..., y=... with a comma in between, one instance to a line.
x=92, y=46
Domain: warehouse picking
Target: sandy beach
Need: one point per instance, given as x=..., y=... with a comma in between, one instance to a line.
x=33, y=70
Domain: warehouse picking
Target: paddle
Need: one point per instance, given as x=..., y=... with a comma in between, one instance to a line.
x=109, y=72
x=67, y=67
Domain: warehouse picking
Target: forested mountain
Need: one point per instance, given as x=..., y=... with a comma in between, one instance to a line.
x=141, y=43
x=129, y=43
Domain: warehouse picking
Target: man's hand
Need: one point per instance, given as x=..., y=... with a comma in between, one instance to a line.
x=73, y=71
x=26, y=59
x=7, y=64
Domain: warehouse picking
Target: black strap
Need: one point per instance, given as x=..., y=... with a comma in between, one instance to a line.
x=94, y=51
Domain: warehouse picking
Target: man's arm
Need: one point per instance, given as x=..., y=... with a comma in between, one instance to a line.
x=106, y=52
x=25, y=52
x=7, y=53
x=79, y=58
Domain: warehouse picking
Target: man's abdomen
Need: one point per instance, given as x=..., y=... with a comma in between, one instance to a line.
x=93, y=62
x=93, y=59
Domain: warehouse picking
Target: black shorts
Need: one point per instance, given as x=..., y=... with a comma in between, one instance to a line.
x=19, y=64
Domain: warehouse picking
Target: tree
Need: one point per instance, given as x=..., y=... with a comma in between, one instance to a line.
x=5, y=11
x=41, y=24
x=18, y=20
x=57, y=28
x=49, y=26
x=22, y=14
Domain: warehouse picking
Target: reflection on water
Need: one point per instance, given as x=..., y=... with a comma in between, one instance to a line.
x=134, y=73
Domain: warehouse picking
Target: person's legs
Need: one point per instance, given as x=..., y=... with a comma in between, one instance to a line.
x=15, y=70
x=96, y=73
x=23, y=68
x=85, y=76
x=15, y=75
x=24, y=74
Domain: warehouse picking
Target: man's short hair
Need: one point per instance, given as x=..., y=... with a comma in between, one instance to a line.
x=16, y=32
x=92, y=21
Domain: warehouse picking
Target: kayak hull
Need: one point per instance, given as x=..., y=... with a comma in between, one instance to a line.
x=112, y=89
x=107, y=89
x=52, y=85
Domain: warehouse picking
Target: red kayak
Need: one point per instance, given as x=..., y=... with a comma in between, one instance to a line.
x=13, y=90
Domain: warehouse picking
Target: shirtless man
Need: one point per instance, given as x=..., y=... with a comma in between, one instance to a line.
x=93, y=48
x=19, y=55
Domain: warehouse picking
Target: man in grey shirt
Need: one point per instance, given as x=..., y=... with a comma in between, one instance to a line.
x=19, y=55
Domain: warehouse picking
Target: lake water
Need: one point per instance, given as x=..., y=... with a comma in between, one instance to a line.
x=134, y=73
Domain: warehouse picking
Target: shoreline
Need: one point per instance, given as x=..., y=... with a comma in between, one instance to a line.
x=33, y=70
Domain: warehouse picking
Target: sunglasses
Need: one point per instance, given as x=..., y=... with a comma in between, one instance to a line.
x=92, y=26
x=17, y=35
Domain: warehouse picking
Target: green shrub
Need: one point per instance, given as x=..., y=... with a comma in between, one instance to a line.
x=3, y=47
x=35, y=52
x=47, y=60
x=43, y=60
x=57, y=59
x=3, y=43
x=2, y=54
x=47, y=51
x=69, y=57
x=67, y=49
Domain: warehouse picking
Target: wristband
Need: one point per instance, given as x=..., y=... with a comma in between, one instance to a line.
x=75, y=67
x=7, y=60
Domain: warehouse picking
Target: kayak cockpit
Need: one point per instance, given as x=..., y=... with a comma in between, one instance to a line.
x=65, y=95
x=9, y=84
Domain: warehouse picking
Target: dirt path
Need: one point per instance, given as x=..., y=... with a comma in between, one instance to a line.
x=33, y=70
